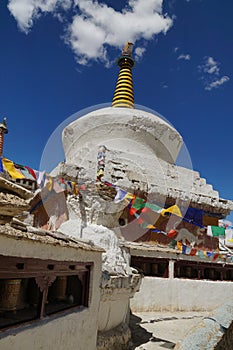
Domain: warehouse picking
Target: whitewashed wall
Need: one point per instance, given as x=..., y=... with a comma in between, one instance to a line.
x=77, y=330
x=180, y=294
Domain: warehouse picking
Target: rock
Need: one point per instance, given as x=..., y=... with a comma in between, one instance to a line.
x=115, y=260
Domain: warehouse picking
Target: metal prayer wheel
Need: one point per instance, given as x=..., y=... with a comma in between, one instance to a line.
x=59, y=288
x=154, y=268
x=10, y=293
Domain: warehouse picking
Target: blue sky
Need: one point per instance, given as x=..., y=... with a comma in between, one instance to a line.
x=57, y=58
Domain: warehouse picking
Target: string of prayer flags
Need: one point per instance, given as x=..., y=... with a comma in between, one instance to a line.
x=174, y=210
x=215, y=231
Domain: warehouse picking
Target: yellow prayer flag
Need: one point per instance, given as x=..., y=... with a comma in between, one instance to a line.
x=150, y=226
x=174, y=209
x=10, y=168
x=129, y=197
x=179, y=245
x=49, y=184
x=75, y=188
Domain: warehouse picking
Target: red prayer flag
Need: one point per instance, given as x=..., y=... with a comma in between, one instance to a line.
x=172, y=233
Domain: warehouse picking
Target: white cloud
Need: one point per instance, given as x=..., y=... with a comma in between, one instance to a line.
x=139, y=51
x=105, y=26
x=26, y=11
x=217, y=83
x=211, y=66
x=96, y=26
x=186, y=57
x=176, y=49
x=210, y=71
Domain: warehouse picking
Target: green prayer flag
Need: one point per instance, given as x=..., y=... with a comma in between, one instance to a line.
x=215, y=231
x=153, y=206
x=139, y=203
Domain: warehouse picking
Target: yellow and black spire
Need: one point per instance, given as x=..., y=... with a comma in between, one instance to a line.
x=123, y=95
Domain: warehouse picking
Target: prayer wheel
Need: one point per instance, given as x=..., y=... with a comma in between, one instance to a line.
x=188, y=271
x=59, y=288
x=154, y=269
x=146, y=267
x=10, y=292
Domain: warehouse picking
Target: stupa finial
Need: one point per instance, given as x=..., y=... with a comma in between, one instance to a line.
x=123, y=95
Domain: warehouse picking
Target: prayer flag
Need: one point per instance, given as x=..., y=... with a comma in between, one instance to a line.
x=10, y=168
x=49, y=184
x=1, y=166
x=215, y=231
x=120, y=195
x=153, y=207
x=128, y=198
x=26, y=173
x=150, y=226
x=57, y=186
x=193, y=252
x=31, y=171
x=172, y=233
x=201, y=254
x=138, y=203
x=75, y=188
x=184, y=248
x=179, y=245
x=40, y=177
x=194, y=216
x=215, y=256
x=174, y=209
